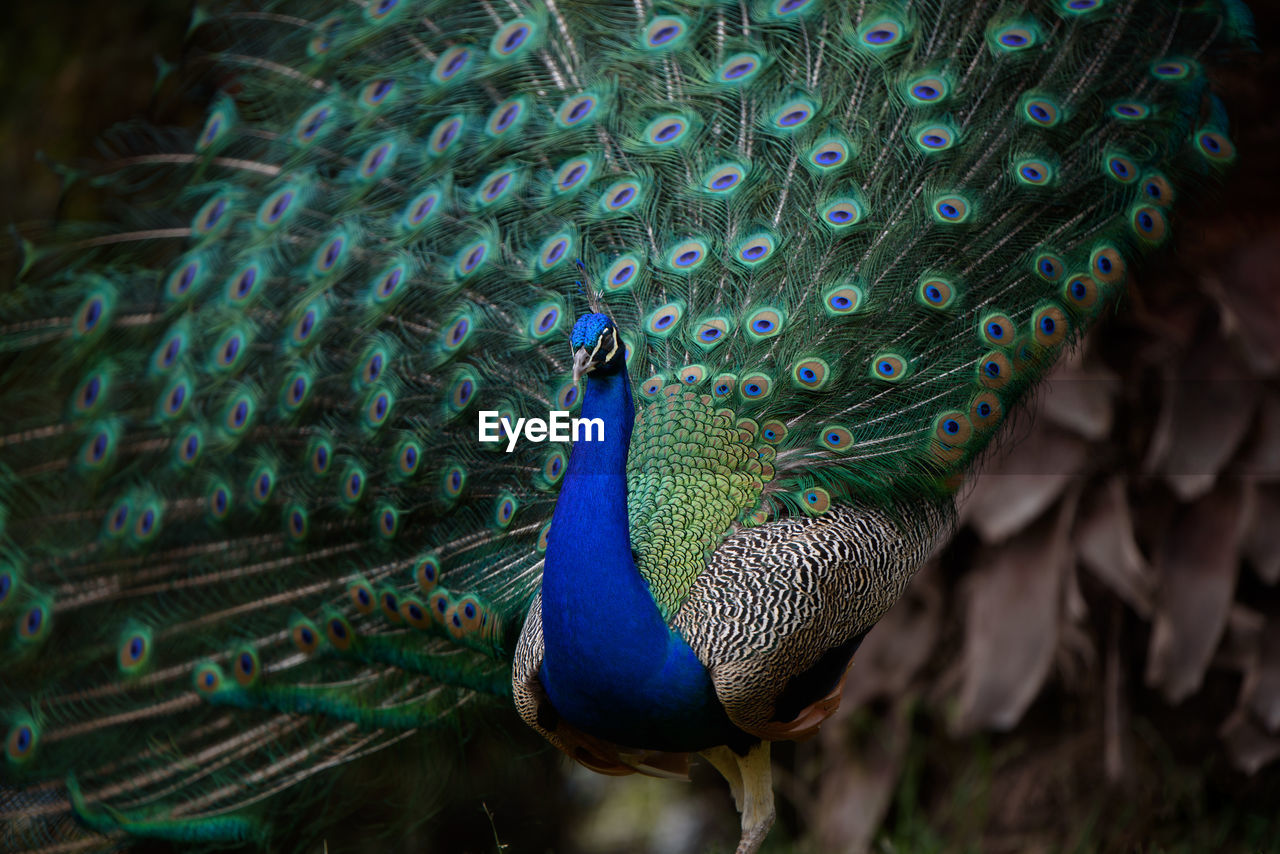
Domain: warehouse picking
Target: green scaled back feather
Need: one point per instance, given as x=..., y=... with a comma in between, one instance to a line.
x=241, y=484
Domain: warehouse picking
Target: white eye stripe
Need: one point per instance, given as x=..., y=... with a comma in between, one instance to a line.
x=595, y=351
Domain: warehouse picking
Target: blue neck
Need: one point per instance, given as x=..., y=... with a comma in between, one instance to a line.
x=612, y=667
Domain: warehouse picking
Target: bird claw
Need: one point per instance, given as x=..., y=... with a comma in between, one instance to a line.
x=750, y=780
x=753, y=837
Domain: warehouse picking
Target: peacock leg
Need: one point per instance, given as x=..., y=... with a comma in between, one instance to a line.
x=725, y=761
x=757, y=791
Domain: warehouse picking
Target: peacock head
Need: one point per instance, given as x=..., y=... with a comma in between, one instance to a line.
x=596, y=346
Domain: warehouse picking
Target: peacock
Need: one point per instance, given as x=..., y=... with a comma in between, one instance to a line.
x=621, y=361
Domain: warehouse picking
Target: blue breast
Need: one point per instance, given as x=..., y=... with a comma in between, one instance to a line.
x=612, y=667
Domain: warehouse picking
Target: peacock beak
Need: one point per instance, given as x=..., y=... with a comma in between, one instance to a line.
x=581, y=363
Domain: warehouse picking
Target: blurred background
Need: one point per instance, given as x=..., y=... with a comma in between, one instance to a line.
x=1092, y=665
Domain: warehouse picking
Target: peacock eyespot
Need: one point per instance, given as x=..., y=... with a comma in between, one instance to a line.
x=951, y=209
x=409, y=457
x=354, y=487
x=33, y=623
x=96, y=449
x=621, y=196
x=1131, y=110
x=576, y=110
x=1049, y=326
x=1158, y=190
x=305, y=638
x=666, y=130
x=984, y=410
x=996, y=329
x=889, y=367
x=445, y=134
x=663, y=31
x=177, y=397
x=118, y=518
x=496, y=186
x=1034, y=172
x=815, y=500
x=568, y=395
x=1122, y=169
x=995, y=370
x=418, y=213
x=428, y=573
x=388, y=522
x=297, y=390
x=169, y=354
x=230, y=350
x=811, y=374
x=789, y=7
x=208, y=679
x=471, y=258
x=510, y=38
x=451, y=62
x=829, y=154
x=880, y=34
x=755, y=387
x=935, y=138
x=312, y=123
x=391, y=606
x=505, y=510
x=1171, y=69
x=1042, y=112
x=20, y=743
x=182, y=279
x=687, y=258
x=1150, y=224
x=793, y=116
x=572, y=173
x=320, y=459
x=841, y=213
x=738, y=68
x=1049, y=268
x=1108, y=265
x=379, y=407
x=936, y=293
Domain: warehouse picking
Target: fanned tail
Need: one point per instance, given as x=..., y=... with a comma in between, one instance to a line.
x=249, y=532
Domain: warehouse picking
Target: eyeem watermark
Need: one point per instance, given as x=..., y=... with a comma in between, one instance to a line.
x=560, y=427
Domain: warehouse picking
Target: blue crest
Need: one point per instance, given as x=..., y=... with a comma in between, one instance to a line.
x=587, y=330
